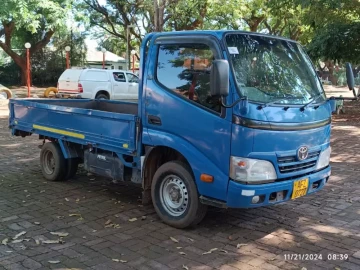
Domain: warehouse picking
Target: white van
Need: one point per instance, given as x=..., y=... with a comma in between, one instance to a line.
x=99, y=84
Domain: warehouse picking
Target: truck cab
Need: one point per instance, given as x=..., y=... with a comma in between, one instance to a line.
x=224, y=118
x=247, y=111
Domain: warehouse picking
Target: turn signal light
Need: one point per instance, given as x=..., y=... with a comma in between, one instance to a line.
x=206, y=178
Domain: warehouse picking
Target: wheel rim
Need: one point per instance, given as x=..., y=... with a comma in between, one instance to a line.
x=174, y=195
x=49, y=162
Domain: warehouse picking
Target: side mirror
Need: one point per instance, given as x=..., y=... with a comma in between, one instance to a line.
x=350, y=77
x=219, y=78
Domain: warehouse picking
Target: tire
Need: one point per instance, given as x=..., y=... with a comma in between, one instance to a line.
x=72, y=167
x=101, y=96
x=53, y=163
x=175, y=197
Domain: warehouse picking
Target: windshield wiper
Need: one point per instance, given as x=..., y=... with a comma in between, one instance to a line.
x=277, y=101
x=302, y=108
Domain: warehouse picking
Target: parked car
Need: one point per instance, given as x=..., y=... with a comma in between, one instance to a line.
x=99, y=84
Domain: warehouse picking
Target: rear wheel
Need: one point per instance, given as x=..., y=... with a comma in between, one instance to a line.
x=175, y=197
x=72, y=167
x=101, y=96
x=53, y=163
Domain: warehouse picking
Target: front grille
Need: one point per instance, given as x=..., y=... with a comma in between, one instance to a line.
x=290, y=164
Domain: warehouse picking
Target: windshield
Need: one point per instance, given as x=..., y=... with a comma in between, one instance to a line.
x=272, y=70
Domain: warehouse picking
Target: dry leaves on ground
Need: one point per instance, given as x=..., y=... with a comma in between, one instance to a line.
x=53, y=262
x=210, y=251
x=18, y=235
x=174, y=240
x=240, y=245
x=60, y=234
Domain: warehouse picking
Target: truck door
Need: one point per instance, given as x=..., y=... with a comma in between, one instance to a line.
x=178, y=102
x=120, y=86
x=133, y=85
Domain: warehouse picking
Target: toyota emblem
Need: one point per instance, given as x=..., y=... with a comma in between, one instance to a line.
x=302, y=153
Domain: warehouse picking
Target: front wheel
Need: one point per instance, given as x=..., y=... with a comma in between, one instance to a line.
x=175, y=197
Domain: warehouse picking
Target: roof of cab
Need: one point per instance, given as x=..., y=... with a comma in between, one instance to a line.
x=218, y=33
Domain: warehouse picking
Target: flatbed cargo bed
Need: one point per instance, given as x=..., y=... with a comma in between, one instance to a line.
x=108, y=125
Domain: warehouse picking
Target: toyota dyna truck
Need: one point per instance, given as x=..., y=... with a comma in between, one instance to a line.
x=224, y=118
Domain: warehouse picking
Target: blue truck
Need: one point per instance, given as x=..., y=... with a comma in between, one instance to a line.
x=224, y=118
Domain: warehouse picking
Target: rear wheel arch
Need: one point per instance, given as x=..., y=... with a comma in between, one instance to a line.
x=102, y=92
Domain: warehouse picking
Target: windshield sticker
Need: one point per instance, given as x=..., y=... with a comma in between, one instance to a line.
x=233, y=50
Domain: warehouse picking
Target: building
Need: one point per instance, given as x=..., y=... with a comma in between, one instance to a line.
x=94, y=59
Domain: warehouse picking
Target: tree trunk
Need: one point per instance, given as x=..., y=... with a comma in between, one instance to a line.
x=331, y=67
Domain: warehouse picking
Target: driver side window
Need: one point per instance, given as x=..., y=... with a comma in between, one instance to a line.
x=185, y=70
x=132, y=78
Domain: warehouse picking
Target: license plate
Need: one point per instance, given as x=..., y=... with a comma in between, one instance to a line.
x=300, y=188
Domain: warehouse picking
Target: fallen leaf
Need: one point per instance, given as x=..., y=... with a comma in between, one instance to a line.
x=185, y=267
x=61, y=234
x=51, y=241
x=132, y=219
x=143, y=217
x=76, y=215
x=240, y=245
x=191, y=240
x=78, y=200
x=37, y=223
x=5, y=241
x=53, y=262
x=17, y=241
x=182, y=253
x=108, y=222
x=37, y=241
x=210, y=251
x=19, y=234
x=174, y=240
x=115, y=260
x=66, y=199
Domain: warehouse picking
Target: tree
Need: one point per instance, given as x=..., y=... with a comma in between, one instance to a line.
x=21, y=17
x=338, y=42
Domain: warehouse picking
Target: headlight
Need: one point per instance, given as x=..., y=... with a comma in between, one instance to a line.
x=251, y=170
x=324, y=159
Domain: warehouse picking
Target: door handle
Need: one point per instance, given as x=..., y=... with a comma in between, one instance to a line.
x=154, y=120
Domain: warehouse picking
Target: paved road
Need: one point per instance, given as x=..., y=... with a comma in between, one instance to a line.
x=98, y=230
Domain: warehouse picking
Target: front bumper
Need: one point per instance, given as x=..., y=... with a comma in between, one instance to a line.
x=240, y=195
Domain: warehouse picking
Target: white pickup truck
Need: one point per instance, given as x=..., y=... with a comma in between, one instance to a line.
x=99, y=84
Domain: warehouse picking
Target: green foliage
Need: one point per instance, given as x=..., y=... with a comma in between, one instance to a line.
x=338, y=42
x=30, y=14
